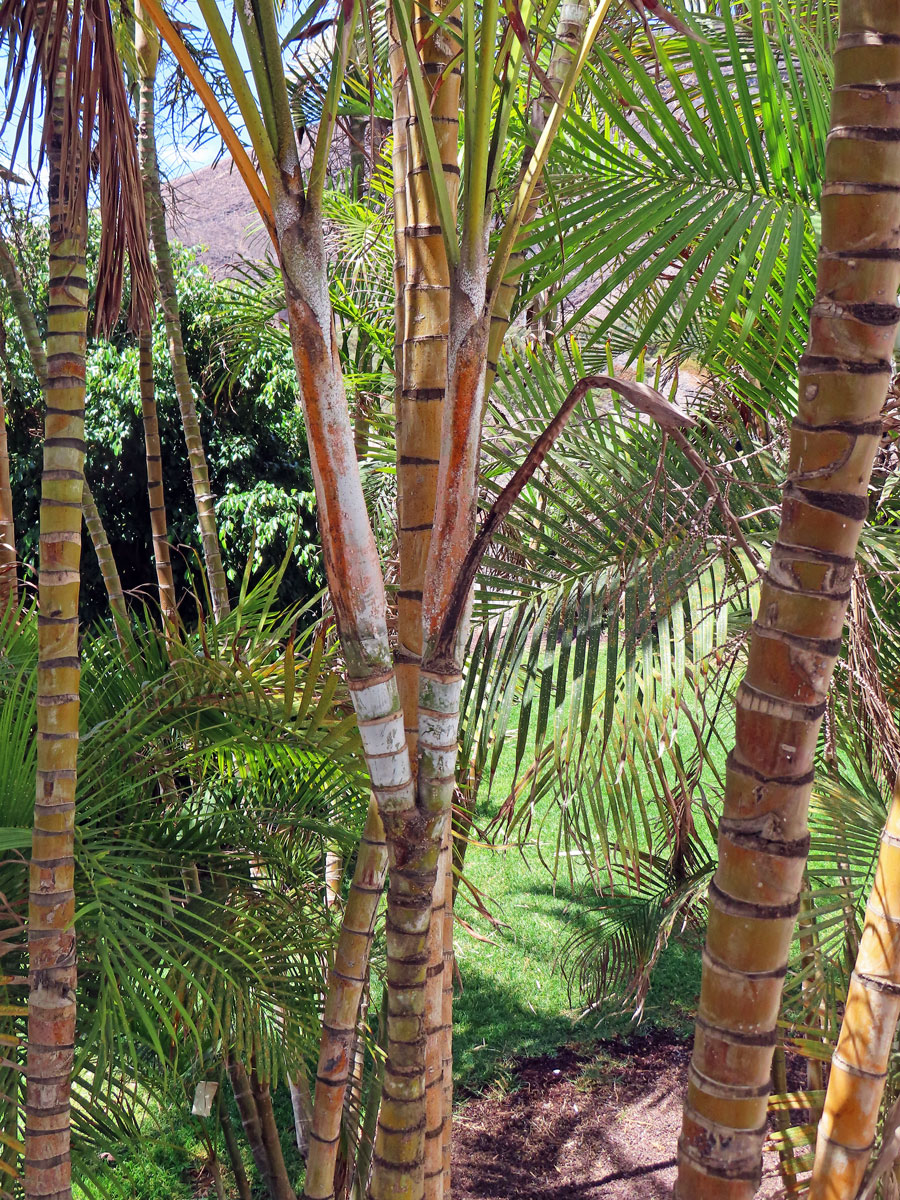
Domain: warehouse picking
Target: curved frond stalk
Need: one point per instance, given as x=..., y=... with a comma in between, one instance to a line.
x=421, y=362
x=106, y=560
x=147, y=46
x=156, y=496
x=763, y=838
x=859, y=1065
x=9, y=583
x=346, y=981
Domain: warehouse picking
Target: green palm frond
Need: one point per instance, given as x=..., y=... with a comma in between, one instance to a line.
x=213, y=770
x=691, y=197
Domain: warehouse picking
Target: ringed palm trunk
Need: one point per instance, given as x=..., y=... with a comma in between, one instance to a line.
x=421, y=366
x=9, y=584
x=155, y=491
x=147, y=46
x=106, y=560
x=859, y=1065
x=51, y=902
x=256, y=1122
x=346, y=981
x=423, y=307
x=763, y=837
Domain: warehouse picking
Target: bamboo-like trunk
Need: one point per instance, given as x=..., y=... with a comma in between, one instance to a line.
x=346, y=981
x=9, y=583
x=424, y=310
x=252, y=1122
x=147, y=46
x=241, y=1182
x=51, y=900
x=106, y=560
x=262, y=1097
x=155, y=491
x=859, y=1065
x=435, y=1039
x=763, y=837
x=447, y=1012
x=9, y=273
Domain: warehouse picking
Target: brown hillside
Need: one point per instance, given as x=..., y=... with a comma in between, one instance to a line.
x=211, y=208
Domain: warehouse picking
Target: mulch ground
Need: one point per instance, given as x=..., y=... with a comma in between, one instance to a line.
x=571, y=1131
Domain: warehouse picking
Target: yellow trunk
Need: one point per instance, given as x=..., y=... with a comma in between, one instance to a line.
x=763, y=838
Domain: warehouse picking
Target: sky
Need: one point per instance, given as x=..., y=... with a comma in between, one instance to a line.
x=177, y=154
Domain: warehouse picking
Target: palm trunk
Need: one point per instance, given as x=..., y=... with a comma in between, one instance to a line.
x=423, y=315
x=155, y=490
x=447, y=1012
x=435, y=1039
x=251, y=1120
x=859, y=1065
x=106, y=559
x=241, y=1183
x=9, y=273
x=9, y=583
x=342, y=998
x=147, y=46
x=51, y=901
x=271, y=1139
x=763, y=838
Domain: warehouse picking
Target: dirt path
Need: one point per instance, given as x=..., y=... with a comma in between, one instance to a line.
x=573, y=1130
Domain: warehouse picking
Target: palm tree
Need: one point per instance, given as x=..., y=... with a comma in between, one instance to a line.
x=414, y=805
x=763, y=838
x=65, y=45
x=155, y=488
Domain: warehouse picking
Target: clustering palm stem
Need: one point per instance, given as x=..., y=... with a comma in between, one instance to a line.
x=9, y=584
x=51, y=902
x=763, y=837
x=147, y=46
x=346, y=981
x=108, y=569
x=162, y=551
x=450, y=288
x=859, y=1065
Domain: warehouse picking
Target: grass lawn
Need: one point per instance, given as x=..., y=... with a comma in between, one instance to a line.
x=515, y=1001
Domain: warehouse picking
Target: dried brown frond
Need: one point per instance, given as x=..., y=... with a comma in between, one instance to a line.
x=62, y=61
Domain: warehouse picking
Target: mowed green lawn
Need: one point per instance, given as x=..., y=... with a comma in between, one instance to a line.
x=515, y=999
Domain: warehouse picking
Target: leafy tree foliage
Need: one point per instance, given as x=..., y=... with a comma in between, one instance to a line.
x=251, y=426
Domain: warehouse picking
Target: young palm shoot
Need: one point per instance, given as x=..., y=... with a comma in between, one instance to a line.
x=763, y=837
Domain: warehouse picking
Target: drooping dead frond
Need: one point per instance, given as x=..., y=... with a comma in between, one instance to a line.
x=71, y=48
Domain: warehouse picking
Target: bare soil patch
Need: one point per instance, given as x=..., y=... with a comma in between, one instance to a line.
x=576, y=1128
